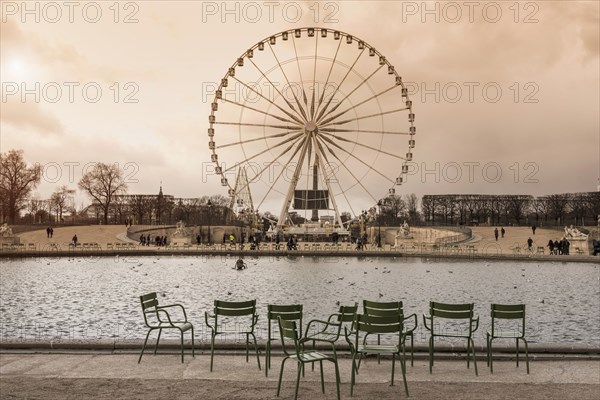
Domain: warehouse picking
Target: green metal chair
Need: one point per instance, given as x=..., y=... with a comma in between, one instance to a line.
x=158, y=318
x=289, y=330
x=233, y=309
x=505, y=312
x=389, y=308
x=365, y=325
x=291, y=312
x=451, y=314
x=330, y=331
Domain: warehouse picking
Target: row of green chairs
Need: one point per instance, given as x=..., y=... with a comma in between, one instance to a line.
x=378, y=318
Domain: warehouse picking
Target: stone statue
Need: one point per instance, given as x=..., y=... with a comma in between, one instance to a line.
x=405, y=229
x=572, y=232
x=6, y=231
x=180, y=229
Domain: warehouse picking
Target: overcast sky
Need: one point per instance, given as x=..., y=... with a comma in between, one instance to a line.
x=497, y=87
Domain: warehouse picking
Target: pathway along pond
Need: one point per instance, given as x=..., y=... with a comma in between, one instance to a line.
x=98, y=298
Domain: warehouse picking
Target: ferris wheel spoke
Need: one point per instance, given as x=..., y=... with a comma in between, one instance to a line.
x=281, y=172
x=314, y=87
x=292, y=116
x=365, y=117
x=359, y=104
x=276, y=135
x=302, y=111
x=329, y=75
x=261, y=111
x=337, y=88
x=300, y=73
x=286, y=150
x=265, y=150
x=358, y=181
x=326, y=129
x=370, y=167
x=348, y=95
x=300, y=114
x=343, y=139
x=260, y=125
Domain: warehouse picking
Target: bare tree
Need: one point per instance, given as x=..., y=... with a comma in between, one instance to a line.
x=518, y=206
x=17, y=180
x=60, y=200
x=412, y=206
x=102, y=183
x=559, y=205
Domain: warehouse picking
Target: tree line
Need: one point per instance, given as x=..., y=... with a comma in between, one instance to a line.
x=105, y=185
x=472, y=209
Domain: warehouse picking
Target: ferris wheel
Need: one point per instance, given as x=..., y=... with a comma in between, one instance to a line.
x=316, y=121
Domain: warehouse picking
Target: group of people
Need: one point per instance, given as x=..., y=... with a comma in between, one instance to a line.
x=146, y=240
x=49, y=232
x=560, y=248
x=502, y=232
x=361, y=242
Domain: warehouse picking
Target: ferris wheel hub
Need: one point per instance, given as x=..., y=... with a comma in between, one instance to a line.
x=310, y=127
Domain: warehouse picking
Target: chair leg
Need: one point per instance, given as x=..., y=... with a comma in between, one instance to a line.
x=144, y=346
x=322, y=378
x=247, y=341
x=393, y=368
x=268, y=357
x=157, y=340
x=490, y=357
x=431, y=354
x=353, y=376
x=474, y=357
x=403, y=367
x=468, y=353
x=412, y=354
x=487, y=347
x=256, y=350
x=281, y=375
x=337, y=377
x=193, y=346
x=300, y=367
x=517, y=343
x=526, y=354
x=181, y=332
x=212, y=350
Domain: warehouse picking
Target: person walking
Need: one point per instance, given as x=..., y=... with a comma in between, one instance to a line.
x=496, y=234
x=502, y=231
x=533, y=228
x=550, y=246
x=74, y=240
x=530, y=244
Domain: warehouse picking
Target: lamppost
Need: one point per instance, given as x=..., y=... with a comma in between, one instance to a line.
x=209, y=204
x=379, y=204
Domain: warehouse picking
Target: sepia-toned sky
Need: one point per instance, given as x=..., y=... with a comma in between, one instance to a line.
x=506, y=94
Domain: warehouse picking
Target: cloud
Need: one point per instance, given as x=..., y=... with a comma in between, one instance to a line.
x=30, y=115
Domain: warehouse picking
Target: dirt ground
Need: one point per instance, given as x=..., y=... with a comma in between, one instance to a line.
x=151, y=389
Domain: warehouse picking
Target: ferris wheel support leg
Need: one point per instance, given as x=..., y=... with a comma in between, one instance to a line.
x=338, y=215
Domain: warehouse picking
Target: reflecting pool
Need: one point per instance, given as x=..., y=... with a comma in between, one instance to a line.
x=97, y=298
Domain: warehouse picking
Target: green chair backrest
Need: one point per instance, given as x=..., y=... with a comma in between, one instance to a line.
x=347, y=313
x=149, y=303
x=382, y=308
x=508, y=312
x=289, y=330
x=451, y=311
x=234, y=308
x=378, y=324
x=287, y=312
